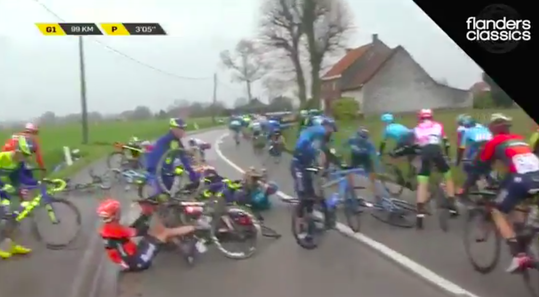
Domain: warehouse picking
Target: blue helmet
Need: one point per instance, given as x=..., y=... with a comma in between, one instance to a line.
x=468, y=122
x=387, y=118
x=326, y=121
x=362, y=132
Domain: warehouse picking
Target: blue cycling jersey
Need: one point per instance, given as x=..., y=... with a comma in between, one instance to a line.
x=162, y=145
x=309, y=142
x=361, y=146
x=397, y=132
x=274, y=125
x=473, y=138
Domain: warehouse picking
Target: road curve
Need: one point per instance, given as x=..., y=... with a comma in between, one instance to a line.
x=442, y=253
x=339, y=267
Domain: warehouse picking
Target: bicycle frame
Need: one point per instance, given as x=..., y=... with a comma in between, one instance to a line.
x=27, y=207
x=131, y=175
x=341, y=177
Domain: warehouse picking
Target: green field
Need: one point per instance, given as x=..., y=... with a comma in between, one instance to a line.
x=522, y=124
x=101, y=135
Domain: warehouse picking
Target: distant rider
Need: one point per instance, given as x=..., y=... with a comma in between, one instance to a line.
x=31, y=131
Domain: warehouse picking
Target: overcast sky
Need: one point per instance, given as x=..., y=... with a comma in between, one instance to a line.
x=40, y=73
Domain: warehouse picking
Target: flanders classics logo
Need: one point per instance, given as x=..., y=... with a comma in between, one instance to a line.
x=498, y=29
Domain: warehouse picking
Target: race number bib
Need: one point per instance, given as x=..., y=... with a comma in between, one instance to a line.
x=434, y=139
x=482, y=137
x=525, y=163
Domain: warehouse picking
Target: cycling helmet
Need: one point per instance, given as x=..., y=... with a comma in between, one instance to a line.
x=461, y=118
x=109, y=209
x=499, y=123
x=387, y=118
x=134, y=139
x=31, y=128
x=468, y=122
x=303, y=113
x=362, y=132
x=326, y=121
x=25, y=145
x=177, y=123
x=425, y=114
x=192, y=141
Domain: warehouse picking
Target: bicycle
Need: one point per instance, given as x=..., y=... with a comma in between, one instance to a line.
x=97, y=183
x=130, y=156
x=45, y=199
x=480, y=217
x=275, y=151
x=403, y=181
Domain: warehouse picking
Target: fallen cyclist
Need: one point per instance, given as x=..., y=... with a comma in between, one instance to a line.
x=118, y=238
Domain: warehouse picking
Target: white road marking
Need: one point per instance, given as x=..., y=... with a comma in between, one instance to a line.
x=401, y=259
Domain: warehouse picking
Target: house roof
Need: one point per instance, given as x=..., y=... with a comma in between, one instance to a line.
x=372, y=66
x=346, y=61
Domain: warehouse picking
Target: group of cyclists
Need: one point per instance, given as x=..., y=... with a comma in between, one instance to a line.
x=480, y=150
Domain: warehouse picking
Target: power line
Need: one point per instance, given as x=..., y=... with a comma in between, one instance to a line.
x=125, y=55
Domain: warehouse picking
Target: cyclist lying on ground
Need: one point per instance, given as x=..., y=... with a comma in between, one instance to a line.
x=30, y=131
x=430, y=137
x=13, y=163
x=305, y=154
x=514, y=155
x=119, y=245
x=168, y=141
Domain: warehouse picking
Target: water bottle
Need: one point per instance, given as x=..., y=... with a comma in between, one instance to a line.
x=533, y=217
x=333, y=201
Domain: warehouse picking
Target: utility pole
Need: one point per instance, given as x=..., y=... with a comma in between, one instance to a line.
x=83, y=102
x=214, y=98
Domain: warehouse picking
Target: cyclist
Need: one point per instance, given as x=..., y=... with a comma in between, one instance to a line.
x=235, y=126
x=256, y=128
x=363, y=154
x=171, y=140
x=399, y=133
x=430, y=136
x=14, y=164
x=31, y=131
x=131, y=256
x=198, y=146
x=277, y=142
x=471, y=141
x=305, y=155
x=522, y=167
x=461, y=118
x=273, y=125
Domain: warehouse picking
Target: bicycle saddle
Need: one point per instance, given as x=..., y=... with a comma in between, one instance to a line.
x=313, y=169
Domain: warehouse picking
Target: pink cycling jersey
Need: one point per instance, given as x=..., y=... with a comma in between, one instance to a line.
x=429, y=132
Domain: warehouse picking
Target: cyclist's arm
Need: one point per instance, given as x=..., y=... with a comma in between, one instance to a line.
x=383, y=142
x=533, y=141
x=461, y=148
x=25, y=175
x=185, y=160
x=481, y=164
x=39, y=155
x=445, y=141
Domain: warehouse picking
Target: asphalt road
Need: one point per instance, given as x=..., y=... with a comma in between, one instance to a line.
x=339, y=267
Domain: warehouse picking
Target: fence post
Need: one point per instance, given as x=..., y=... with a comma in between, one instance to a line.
x=67, y=156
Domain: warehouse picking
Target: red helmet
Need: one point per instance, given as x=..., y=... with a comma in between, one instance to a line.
x=424, y=114
x=108, y=209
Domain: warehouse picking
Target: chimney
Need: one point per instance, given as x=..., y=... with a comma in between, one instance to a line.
x=374, y=38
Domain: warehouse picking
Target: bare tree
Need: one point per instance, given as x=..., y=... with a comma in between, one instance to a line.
x=246, y=63
x=327, y=24
x=281, y=29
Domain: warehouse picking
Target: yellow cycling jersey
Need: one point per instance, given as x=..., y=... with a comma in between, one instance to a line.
x=7, y=162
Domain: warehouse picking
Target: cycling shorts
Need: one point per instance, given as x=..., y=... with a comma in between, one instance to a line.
x=514, y=190
x=362, y=161
x=432, y=154
x=404, y=150
x=303, y=180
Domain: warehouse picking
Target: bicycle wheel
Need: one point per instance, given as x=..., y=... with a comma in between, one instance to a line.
x=395, y=183
x=479, y=219
x=351, y=211
x=117, y=154
x=54, y=218
x=246, y=229
x=398, y=213
x=530, y=276
x=311, y=225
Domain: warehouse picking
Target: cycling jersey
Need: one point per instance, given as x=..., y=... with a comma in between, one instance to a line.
x=397, y=132
x=256, y=126
x=460, y=132
x=363, y=153
x=473, y=138
x=309, y=142
x=121, y=249
x=274, y=125
x=161, y=146
x=13, y=173
x=429, y=137
x=512, y=152
x=11, y=145
x=429, y=133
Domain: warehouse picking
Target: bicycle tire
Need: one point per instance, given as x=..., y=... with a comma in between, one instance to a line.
x=269, y=233
x=58, y=246
x=111, y=155
x=351, y=211
x=256, y=227
x=159, y=175
x=399, y=182
x=397, y=218
x=471, y=224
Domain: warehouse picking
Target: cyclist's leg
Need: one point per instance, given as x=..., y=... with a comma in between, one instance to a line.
x=444, y=168
x=304, y=189
x=423, y=176
x=514, y=189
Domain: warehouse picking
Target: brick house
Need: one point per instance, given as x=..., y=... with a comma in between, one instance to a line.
x=383, y=79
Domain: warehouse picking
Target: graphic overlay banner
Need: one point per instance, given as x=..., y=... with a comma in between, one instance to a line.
x=61, y=29
x=123, y=29
x=497, y=36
